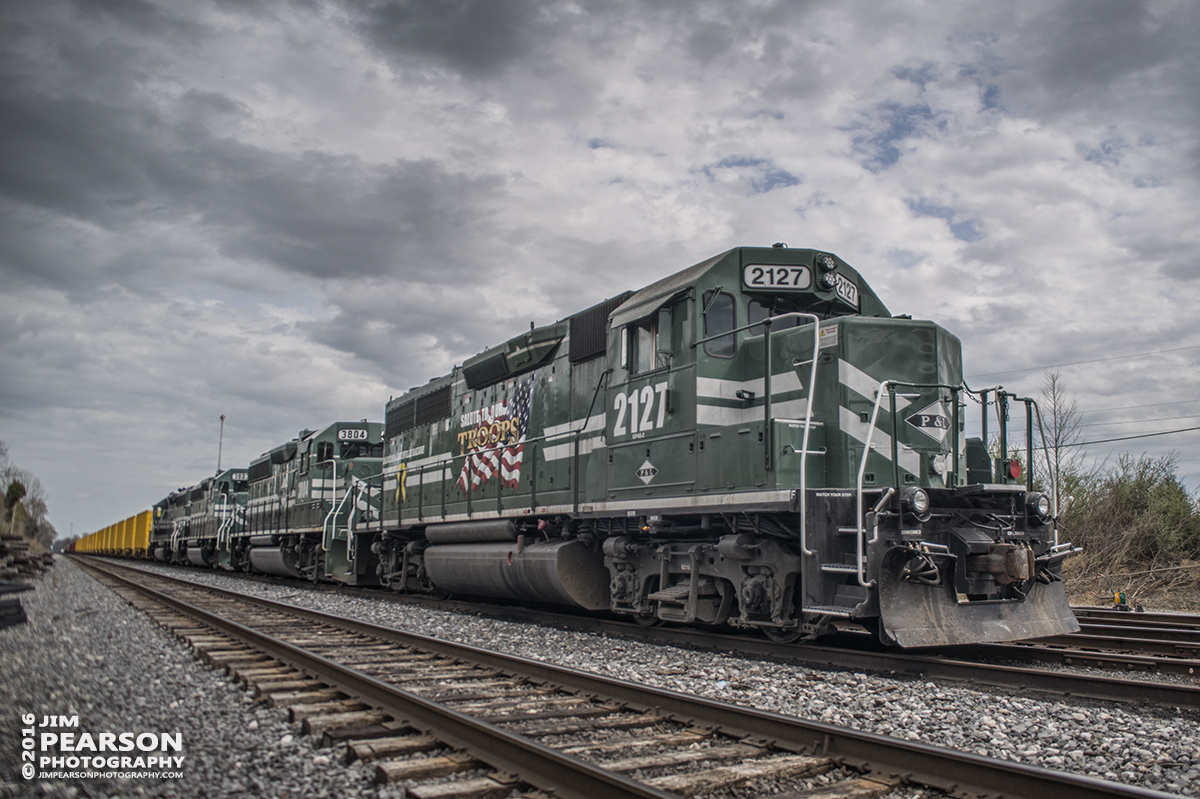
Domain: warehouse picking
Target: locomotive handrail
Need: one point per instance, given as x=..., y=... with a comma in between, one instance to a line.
x=1053, y=479
x=808, y=406
x=770, y=430
x=226, y=514
x=1031, y=406
x=175, y=533
x=334, y=507
x=360, y=486
x=366, y=486
x=357, y=486
x=890, y=387
x=862, y=468
x=1002, y=398
x=879, y=507
x=573, y=436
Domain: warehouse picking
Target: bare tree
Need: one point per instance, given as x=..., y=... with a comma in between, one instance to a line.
x=24, y=502
x=1059, y=425
x=6, y=467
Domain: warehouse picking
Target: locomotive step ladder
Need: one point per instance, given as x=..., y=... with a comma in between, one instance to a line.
x=839, y=568
x=677, y=593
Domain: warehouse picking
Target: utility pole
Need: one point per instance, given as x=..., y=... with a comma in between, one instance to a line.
x=220, y=443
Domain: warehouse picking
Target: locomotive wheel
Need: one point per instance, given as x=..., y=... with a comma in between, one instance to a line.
x=781, y=635
x=648, y=621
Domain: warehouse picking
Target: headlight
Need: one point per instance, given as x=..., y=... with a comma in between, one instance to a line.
x=916, y=502
x=1038, y=507
x=827, y=281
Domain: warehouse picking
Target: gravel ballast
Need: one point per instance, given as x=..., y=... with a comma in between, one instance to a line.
x=1149, y=747
x=86, y=652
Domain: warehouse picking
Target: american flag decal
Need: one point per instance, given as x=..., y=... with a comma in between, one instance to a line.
x=496, y=446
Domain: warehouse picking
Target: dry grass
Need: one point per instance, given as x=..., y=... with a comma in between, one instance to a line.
x=1174, y=588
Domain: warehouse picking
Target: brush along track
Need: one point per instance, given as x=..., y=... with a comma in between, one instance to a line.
x=486, y=724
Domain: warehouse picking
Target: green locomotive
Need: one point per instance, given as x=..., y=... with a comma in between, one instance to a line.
x=201, y=524
x=304, y=498
x=754, y=441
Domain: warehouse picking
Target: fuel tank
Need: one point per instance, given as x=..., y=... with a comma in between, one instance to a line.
x=274, y=560
x=557, y=572
x=196, y=556
x=464, y=532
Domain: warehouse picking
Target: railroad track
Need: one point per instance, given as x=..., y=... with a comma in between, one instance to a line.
x=1137, y=642
x=983, y=665
x=1100, y=615
x=485, y=724
x=1171, y=634
x=1156, y=643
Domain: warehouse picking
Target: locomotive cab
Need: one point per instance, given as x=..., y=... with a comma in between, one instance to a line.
x=805, y=423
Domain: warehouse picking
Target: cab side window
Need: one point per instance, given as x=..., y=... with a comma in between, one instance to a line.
x=759, y=311
x=720, y=315
x=645, y=342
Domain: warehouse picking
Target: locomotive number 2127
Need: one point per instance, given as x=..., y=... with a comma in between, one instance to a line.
x=641, y=405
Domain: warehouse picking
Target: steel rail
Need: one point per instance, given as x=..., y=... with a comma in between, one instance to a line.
x=1113, y=616
x=1171, y=650
x=925, y=764
x=535, y=763
x=951, y=668
x=1177, y=695
x=1182, y=635
x=946, y=665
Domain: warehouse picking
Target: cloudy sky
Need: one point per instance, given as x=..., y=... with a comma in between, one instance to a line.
x=287, y=212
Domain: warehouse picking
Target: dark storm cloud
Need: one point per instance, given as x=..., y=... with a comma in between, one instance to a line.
x=75, y=157
x=1181, y=271
x=1092, y=57
x=95, y=153
x=284, y=212
x=321, y=215
x=334, y=217
x=475, y=37
x=139, y=15
x=709, y=40
x=1090, y=44
x=483, y=39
